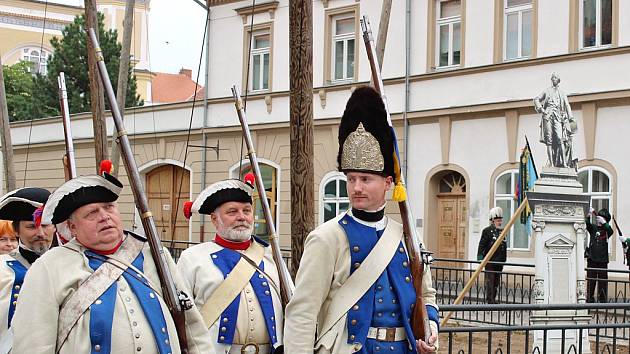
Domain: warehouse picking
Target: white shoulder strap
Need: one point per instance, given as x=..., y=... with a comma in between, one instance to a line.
x=235, y=282
x=93, y=287
x=362, y=279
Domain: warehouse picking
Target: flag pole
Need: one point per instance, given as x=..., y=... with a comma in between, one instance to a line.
x=531, y=155
x=485, y=261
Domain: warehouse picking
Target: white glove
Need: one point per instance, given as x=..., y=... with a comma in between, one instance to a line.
x=622, y=239
x=600, y=220
x=591, y=211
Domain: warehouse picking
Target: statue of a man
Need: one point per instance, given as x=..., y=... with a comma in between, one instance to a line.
x=557, y=125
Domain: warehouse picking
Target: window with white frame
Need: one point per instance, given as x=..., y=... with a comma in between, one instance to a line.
x=38, y=59
x=334, y=197
x=448, y=32
x=595, y=23
x=596, y=183
x=505, y=197
x=517, y=34
x=343, y=47
x=261, y=50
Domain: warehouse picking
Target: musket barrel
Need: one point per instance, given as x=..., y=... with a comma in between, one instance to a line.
x=286, y=283
x=169, y=290
x=420, y=321
x=67, y=129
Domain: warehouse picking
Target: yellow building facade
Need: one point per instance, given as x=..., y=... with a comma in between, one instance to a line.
x=27, y=26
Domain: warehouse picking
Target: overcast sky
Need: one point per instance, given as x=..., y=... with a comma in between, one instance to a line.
x=175, y=34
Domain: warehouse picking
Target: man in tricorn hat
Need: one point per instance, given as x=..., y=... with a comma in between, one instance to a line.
x=22, y=207
x=100, y=292
x=354, y=290
x=234, y=280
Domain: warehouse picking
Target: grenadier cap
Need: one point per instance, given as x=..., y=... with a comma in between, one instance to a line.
x=365, y=137
x=20, y=204
x=229, y=190
x=80, y=191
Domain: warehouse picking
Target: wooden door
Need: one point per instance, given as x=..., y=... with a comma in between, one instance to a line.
x=168, y=187
x=452, y=214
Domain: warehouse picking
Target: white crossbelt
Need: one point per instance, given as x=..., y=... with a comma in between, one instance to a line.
x=250, y=348
x=382, y=334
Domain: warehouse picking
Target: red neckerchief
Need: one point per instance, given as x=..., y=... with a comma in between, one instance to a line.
x=237, y=246
x=106, y=252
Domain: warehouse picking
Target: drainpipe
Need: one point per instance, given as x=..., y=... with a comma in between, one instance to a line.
x=407, y=65
x=204, y=136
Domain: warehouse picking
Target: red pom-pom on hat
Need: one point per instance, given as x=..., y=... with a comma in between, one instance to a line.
x=105, y=167
x=249, y=179
x=188, y=209
x=37, y=216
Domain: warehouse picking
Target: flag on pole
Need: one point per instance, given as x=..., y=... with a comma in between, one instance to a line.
x=527, y=176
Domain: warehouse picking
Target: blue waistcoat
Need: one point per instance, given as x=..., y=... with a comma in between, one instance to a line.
x=20, y=272
x=226, y=260
x=102, y=310
x=388, y=302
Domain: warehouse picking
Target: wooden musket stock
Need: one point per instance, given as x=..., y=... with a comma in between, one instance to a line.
x=417, y=258
x=169, y=292
x=286, y=283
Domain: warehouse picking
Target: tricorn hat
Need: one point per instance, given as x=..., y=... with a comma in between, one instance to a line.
x=229, y=190
x=80, y=191
x=20, y=204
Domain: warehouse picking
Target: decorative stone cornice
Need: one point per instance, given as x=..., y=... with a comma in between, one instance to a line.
x=258, y=8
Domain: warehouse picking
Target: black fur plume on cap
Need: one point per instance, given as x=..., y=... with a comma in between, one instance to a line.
x=366, y=106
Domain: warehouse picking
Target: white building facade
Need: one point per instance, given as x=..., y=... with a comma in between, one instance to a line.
x=460, y=77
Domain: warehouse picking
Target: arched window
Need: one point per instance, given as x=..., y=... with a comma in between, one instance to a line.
x=334, y=196
x=505, y=197
x=269, y=176
x=596, y=182
x=38, y=59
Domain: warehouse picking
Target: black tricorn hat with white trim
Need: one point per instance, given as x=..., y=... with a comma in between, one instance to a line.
x=78, y=192
x=229, y=190
x=20, y=204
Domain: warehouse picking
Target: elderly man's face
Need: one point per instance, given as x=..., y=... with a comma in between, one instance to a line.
x=234, y=221
x=97, y=226
x=36, y=238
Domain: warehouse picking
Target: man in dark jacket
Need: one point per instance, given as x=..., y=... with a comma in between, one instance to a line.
x=597, y=255
x=493, y=271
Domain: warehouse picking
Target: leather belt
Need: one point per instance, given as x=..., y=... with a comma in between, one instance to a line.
x=250, y=348
x=383, y=334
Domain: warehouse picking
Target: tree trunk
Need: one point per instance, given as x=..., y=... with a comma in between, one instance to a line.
x=121, y=90
x=301, y=125
x=97, y=98
x=7, y=146
x=383, y=26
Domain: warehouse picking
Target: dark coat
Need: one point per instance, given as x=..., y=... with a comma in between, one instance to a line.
x=488, y=236
x=598, y=241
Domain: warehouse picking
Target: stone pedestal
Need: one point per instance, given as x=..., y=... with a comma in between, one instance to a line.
x=559, y=210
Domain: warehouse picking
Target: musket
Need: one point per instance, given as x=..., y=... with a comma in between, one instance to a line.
x=286, y=283
x=418, y=257
x=69, y=163
x=176, y=301
x=624, y=244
